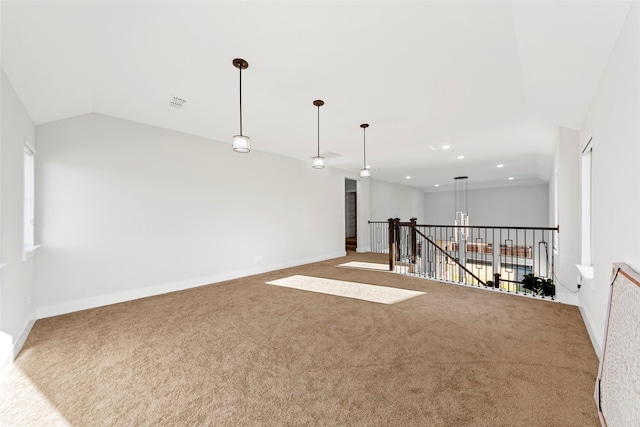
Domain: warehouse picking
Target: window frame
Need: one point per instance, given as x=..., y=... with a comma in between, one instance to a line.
x=586, y=203
x=28, y=215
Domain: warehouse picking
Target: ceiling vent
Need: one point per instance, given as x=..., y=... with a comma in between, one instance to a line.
x=177, y=102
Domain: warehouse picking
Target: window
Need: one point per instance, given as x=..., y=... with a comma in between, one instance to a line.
x=29, y=202
x=586, y=204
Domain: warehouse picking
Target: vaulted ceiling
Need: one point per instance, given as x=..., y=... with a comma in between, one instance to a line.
x=493, y=80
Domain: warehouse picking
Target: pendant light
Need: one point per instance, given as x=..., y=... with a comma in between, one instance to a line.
x=318, y=161
x=241, y=143
x=364, y=172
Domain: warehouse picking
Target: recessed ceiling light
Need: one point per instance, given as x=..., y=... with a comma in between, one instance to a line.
x=460, y=157
x=511, y=178
x=500, y=165
x=437, y=185
x=445, y=147
x=407, y=177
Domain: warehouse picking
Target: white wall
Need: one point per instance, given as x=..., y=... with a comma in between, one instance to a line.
x=566, y=207
x=523, y=206
x=16, y=277
x=394, y=201
x=128, y=210
x=613, y=120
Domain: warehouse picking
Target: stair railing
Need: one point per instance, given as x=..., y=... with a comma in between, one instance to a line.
x=500, y=257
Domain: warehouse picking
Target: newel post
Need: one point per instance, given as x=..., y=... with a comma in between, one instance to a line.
x=396, y=239
x=413, y=239
x=392, y=245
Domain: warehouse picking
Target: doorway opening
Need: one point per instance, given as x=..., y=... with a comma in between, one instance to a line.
x=350, y=214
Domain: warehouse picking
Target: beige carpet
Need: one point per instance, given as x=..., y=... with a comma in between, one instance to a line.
x=247, y=353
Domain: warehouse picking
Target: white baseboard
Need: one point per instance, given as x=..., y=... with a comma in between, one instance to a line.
x=6, y=354
x=24, y=335
x=9, y=350
x=362, y=250
x=118, y=297
x=597, y=346
x=567, y=297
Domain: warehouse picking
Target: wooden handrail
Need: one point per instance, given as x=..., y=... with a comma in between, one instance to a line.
x=557, y=228
x=485, y=226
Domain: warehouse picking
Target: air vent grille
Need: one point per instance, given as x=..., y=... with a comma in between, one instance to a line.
x=177, y=102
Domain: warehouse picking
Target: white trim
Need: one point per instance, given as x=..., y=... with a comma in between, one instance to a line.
x=9, y=351
x=597, y=347
x=564, y=296
x=589, y=145
x=362, y=250
x=29, y=149
x=28, y=196
x=586, y=271
x=118, y=297
x=586, y=204
x=17, y=346
x=6, y=354
x=29, y=251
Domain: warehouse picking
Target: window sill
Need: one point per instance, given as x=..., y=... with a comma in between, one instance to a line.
x=585, y=270
x=29, y=251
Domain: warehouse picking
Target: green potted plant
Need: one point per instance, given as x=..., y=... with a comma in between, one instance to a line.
x=538, y=285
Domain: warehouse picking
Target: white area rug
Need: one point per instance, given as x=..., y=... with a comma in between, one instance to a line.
x=373, y=266
x=372, y=293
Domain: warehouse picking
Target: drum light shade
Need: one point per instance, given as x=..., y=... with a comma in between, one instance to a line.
x=364, y=172
x=241, y=143
x=318, y=161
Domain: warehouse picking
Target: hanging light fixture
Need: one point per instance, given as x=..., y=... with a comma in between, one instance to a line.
x=364, y=172
x=318, y=161
x=241, y=143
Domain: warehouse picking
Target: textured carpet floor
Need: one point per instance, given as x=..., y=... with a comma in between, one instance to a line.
x=246, y=353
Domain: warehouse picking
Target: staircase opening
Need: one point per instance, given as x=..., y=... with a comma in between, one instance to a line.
x=502, y=258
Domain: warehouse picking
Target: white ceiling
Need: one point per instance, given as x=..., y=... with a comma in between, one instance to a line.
x=491, y=79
